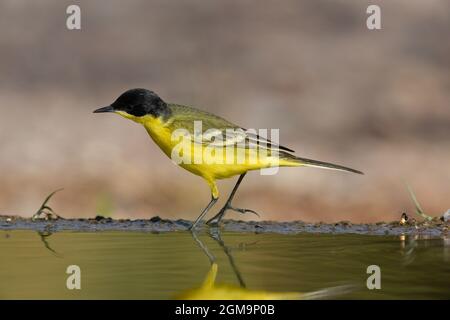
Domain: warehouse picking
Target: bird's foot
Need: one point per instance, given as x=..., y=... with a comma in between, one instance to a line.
x=214, y=221
x=242, y=211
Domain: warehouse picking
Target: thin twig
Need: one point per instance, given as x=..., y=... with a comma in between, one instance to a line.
x=419, y=209
x=45, y=209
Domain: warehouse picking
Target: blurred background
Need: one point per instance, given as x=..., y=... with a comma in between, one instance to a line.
x=378, y=101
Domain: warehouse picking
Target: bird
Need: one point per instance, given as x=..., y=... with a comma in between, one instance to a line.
x=200, y=142
x=210, y=290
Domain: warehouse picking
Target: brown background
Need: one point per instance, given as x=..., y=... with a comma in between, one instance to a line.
x=377, y=101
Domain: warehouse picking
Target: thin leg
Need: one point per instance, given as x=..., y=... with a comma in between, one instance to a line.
x=204, y=212
x=216, y=236
x=218, y=217
x=202, y=246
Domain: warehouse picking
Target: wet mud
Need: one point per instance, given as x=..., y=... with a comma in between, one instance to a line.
x=436, y=227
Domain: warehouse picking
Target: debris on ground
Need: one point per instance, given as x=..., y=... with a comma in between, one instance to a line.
x=435, y=227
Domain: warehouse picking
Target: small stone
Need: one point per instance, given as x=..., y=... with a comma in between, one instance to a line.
x=404, y=218
x=155, y=219
x=446, y=216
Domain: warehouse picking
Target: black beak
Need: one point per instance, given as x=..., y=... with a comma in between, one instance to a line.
x=104, y=109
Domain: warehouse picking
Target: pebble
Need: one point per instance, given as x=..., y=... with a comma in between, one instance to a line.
x=155, y=219
x=446, y=216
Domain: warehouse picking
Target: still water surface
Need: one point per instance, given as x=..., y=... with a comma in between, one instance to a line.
x=133, y=265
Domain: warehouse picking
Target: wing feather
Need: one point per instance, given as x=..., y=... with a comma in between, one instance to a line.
x=216, y=131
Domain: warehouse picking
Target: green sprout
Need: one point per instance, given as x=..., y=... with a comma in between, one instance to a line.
x=45, y=210
x=419, y=210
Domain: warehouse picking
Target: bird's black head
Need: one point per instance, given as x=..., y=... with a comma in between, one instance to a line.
x=138, y=103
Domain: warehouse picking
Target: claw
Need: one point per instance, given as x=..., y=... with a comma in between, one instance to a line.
x=243, y=211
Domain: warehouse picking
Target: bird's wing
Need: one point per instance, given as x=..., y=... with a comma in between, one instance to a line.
x=216, y=131
x=254, y=138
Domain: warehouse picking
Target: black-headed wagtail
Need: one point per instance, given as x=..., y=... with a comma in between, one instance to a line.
x=220, y=150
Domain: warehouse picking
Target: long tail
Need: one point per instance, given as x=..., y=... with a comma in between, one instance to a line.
x=315, y=163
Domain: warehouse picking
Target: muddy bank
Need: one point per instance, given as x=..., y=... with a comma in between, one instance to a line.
x=156, y=224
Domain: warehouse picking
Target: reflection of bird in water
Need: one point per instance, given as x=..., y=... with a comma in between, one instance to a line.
x=209, y=290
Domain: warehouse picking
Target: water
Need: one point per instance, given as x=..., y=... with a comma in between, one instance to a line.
x=133, y=265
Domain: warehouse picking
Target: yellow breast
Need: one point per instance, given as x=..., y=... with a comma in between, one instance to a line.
x=203, y=160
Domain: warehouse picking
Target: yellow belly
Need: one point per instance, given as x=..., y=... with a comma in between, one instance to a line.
x=206, y=161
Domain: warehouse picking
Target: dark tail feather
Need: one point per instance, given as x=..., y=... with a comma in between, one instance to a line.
x=325, y=165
